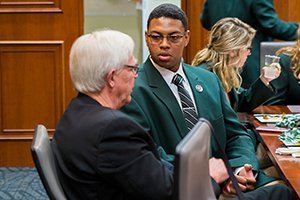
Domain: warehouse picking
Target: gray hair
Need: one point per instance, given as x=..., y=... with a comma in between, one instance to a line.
x=93, y=55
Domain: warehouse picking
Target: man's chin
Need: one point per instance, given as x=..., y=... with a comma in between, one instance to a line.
x=163, y=63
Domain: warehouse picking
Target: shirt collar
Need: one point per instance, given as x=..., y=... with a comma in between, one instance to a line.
x=168, y=74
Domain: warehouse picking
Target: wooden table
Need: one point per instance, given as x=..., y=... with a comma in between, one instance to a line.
x=287, y=166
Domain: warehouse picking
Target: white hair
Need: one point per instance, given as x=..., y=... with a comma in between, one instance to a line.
x=93, y=55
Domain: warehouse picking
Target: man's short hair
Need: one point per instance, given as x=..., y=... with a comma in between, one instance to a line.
x=170, y=11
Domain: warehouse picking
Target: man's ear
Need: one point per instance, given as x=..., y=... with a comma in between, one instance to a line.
x=187, y=38
x=146, y=37
x=110, y=78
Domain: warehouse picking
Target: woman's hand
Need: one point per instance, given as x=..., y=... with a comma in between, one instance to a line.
x=275, y=73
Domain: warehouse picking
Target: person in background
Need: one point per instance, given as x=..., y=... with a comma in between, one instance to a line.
x=261, y=15
x=288, y=83
x=101, y=153
x=159, y=106
x=229, y=46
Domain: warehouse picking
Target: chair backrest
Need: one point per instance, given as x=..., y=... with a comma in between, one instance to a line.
x=269, y=48
x=191, y=178
x=45, y=163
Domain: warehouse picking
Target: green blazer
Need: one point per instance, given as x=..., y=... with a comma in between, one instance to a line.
x=155, y=107
x=245, y=100
x=288, y=86
x=259, y=14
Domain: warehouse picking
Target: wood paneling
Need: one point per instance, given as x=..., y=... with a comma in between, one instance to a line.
x=198, y=33
x=35, y=40
x=287, y=10
x=15, y=153
x=32, y=85
x=30, y=6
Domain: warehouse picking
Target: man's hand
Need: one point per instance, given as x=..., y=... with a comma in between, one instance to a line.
x=245, y=180
x=247, y=173
x=217, y=170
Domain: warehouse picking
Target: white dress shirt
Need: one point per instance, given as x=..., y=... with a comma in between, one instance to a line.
x=168, y=76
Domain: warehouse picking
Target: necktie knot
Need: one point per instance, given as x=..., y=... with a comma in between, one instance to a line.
x=177, y=79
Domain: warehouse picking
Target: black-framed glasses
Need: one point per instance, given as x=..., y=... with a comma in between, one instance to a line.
x=134, y=68
x=156, y=38
x=249, y=49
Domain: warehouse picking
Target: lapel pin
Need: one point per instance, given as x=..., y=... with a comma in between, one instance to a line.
x=199, y=88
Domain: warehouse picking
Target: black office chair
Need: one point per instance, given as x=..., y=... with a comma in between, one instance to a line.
x=269, y=48
x=45, y=164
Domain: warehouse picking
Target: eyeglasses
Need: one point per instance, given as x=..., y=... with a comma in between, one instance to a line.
x=157, y=38
x=249, y=49
x=135, y=68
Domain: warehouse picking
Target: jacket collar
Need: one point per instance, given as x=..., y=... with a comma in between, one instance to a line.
x=162, y=91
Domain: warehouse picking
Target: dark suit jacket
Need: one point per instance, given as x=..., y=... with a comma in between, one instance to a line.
x=288, y=86
x=154, y=106
x=274, y=192
x=260, y=14
x=103, y=154
x=245, y=100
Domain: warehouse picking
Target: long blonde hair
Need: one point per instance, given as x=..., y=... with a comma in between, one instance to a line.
x=228, y=34
x=294, y=53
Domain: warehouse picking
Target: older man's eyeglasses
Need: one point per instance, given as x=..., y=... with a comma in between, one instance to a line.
x=158, y=38
x=134, y=68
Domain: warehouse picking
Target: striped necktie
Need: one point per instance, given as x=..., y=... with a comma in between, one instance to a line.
x=188, y=108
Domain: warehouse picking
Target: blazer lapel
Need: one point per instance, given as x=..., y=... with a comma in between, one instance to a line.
x=199, y=90
x=164, y=94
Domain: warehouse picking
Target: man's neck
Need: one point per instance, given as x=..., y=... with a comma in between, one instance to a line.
x=103, y=98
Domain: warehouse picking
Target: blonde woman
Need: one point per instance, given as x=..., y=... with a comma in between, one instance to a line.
x=288, y=83
x=228, y=47
x=259, y=14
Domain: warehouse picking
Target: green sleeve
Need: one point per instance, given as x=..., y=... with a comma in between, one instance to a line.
x=269, y=22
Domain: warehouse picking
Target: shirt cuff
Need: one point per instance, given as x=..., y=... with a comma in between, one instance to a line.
x=237, y=171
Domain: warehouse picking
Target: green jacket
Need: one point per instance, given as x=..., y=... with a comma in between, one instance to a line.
x=259, y=14
x=288, y=86
x=245, y=100
x=154, y=107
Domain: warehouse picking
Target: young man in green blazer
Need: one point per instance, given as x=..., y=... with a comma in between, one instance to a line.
x=261, y=15
x=156, y=103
